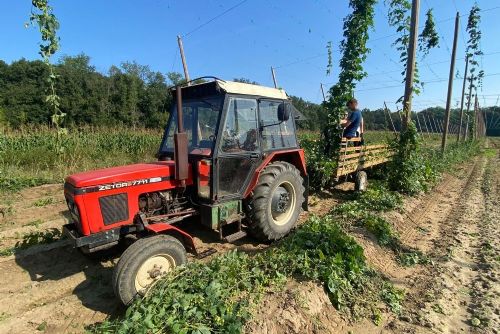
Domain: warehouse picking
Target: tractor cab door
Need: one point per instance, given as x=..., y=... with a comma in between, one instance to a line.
x=238, y=153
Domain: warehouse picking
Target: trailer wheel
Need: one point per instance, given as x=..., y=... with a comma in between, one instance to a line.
x=361, y=181
x=275, y=203
x=144, y=262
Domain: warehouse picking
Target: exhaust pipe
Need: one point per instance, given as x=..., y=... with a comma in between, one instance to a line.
x=180, y=144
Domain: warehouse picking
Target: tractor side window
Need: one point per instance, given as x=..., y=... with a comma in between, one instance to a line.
x=240, y=129
x=275, y=134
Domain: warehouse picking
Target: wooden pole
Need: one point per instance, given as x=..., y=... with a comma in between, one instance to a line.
x=322, y=92
x=476, y=121
x=274, y=77
x=462, y=100
x=426, y=127
x=389, y=112
x=446, y=122
x=420, y=126
x=410, y=63
x=183, y=58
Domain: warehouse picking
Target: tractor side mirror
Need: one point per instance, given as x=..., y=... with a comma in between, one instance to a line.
x=284, y=111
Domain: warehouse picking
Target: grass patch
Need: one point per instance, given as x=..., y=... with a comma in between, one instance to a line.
x=33, y=238
x=35, y=223
x=43, y=202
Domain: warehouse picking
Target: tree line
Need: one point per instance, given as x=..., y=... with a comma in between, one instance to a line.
x=131, y=95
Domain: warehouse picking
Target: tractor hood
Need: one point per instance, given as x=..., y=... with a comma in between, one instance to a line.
x=137, y=172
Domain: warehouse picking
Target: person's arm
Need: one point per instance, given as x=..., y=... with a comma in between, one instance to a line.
x=347, y=121
x=362, y=125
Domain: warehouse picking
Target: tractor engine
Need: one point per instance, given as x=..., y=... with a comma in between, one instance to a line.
x=161, y=202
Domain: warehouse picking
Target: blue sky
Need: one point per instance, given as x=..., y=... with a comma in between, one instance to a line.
x=249, y=39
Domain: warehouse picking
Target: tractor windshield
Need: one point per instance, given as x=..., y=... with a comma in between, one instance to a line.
x=200, y=118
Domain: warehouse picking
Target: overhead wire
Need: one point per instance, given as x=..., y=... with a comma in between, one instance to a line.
x=214, y=18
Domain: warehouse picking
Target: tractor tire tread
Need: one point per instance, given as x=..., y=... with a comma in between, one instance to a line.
x=124, y=271
x=257, y=203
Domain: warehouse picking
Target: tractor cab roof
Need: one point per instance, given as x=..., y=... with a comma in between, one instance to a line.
x=218, y=86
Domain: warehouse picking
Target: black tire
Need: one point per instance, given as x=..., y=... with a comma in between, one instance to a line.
x=126, y=271
x=265, y=219
x=361, y=181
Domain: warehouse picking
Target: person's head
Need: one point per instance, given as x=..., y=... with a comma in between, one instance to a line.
x=352, y=104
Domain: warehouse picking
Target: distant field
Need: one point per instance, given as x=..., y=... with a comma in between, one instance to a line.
x=30, y=157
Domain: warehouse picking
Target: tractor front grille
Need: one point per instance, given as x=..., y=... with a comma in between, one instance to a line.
x=114, y=208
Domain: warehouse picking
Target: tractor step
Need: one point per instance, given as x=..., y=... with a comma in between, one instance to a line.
x=206, y=253
x=235, y=236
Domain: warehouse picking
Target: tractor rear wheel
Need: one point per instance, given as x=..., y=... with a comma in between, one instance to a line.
x=276, y=201
x=143, y=263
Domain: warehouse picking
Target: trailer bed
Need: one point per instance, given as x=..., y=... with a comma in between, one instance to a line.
x=356, y=158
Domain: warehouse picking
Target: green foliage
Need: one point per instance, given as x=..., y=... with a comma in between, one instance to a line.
x=129, y=95
x=329, y=65
x=28, y=157
x=393, y=297
x=428, y=38
x=399, y=16
x=363, y=211
x=473, y=52
x=407, y=168
x=319, y=169
x=32, y=239
x=411, y=257
x=354, y=52
x=43, y=202
x=42, y=16
x=216, y=297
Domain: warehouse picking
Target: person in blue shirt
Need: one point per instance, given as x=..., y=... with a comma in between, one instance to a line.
x=353, y=124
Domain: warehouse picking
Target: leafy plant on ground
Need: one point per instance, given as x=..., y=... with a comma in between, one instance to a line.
x=406, y=170
x=43, y=202
x=393, y=297
x=218, y=296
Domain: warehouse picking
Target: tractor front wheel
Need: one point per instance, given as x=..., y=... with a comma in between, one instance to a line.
x=275, y=203
x=143, y=263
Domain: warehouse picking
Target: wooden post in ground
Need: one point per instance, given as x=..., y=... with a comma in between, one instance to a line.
x=446, y=122
x=183, y=58
x=390, y=117
x=410, y=63
x=462, y=100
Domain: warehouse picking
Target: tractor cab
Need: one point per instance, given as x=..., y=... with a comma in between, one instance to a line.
x=231, y=127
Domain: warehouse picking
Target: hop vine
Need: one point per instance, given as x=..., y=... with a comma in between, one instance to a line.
x=42, y=16
x=399, y=17
x=329, y=65
x=473, y=52
x=428, y=38
x=354, y=52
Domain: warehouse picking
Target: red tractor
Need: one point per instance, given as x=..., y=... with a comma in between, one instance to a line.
x=229, y=156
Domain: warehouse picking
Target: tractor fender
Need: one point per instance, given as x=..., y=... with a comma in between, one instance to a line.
x=295, y=156
x=185, y=238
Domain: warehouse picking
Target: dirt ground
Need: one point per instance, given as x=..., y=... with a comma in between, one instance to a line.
x=53, y=288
